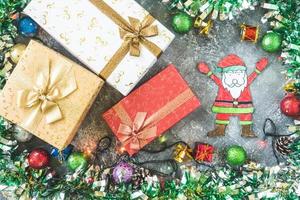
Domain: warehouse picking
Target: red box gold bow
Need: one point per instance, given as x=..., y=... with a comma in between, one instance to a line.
x=151, y=109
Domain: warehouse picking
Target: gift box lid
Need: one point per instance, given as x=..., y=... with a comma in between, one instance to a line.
x=48, y=95
x=165, y=99
x=84, y=28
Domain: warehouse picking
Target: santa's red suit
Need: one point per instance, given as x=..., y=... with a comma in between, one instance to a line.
x=225, y=105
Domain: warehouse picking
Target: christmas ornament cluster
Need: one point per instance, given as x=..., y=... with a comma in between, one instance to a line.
x=282, y=16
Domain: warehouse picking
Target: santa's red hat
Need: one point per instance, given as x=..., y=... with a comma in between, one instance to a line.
x=231, y=63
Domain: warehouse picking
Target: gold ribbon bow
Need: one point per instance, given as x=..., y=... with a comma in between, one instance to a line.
x=138, y=132
x=133, y=34
x=137, y=33
x=51, y=84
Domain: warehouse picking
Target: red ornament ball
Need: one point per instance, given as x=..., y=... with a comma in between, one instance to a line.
x=38, y=159
x=290, y=106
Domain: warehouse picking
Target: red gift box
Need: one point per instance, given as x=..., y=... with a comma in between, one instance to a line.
x=151, y=109
x=204, y=152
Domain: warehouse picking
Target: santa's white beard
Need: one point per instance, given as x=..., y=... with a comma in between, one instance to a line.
x=235, y=84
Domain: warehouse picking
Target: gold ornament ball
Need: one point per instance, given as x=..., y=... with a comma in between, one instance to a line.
x=16, y=52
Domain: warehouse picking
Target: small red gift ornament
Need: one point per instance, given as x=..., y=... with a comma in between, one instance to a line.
x=204, y=152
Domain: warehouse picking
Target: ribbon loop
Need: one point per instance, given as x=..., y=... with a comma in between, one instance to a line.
x=137, y=133
x=137, y=32
x=139, y=120
x=52, y=84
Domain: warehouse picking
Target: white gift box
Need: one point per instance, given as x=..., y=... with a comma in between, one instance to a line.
x=94, y=38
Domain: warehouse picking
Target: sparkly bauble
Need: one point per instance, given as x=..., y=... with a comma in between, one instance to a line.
x=182, y=23
x=123, y=173
x=290, y=105
x=21, y=135
x=16, y=52
x=77, y=161
x=282, y=145
x=38, y=159
x=236, y=155
x=27, y=27
x=271, y=42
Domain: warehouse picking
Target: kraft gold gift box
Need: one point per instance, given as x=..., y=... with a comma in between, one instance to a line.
x=48, y=95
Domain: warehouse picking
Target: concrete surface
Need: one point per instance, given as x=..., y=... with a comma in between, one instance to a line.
x=185, y=52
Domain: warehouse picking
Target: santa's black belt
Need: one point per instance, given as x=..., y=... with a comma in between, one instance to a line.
x=234, y=102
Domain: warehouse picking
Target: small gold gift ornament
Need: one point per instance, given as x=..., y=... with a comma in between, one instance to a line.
x=48, y=95
x=182, y=153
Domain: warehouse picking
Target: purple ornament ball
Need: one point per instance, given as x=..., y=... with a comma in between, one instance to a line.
x=123, y=173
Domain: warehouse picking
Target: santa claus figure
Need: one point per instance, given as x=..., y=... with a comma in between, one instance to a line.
x=234, y=96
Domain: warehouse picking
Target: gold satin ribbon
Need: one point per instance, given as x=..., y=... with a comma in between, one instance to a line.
x=133, y=34
x=137, y=133
x=51, y=84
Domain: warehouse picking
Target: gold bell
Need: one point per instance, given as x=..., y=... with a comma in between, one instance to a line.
x=290, y=87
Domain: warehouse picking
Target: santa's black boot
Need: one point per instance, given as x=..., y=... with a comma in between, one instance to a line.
x=247, y=131
x=218, y=131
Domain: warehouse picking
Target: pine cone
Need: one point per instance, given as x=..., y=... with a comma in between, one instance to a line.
x=139, y=176
x=282, y=145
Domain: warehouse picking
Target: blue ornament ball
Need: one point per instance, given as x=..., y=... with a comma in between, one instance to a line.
x=27, y=27
x=63, y=155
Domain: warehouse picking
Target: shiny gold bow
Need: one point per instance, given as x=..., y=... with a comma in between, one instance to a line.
x=183, y=153
x=136, y=34
x=51, y=84
x=133, y=34
x=138, y=132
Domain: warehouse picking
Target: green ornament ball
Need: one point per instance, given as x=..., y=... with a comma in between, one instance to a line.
x=236, y=155
x=76, y=161
x=271, y=42
x=182, y=23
